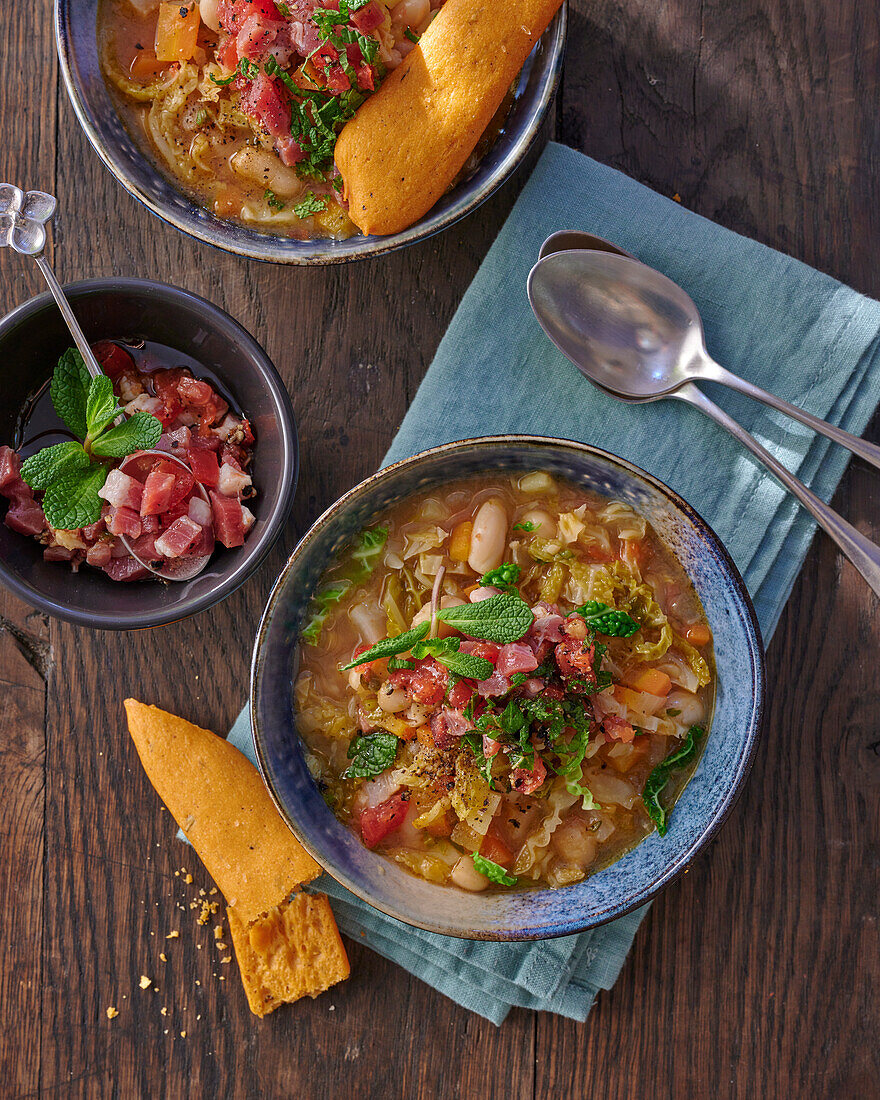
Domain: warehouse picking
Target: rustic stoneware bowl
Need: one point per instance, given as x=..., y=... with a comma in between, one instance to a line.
x=140, y=174
x=536, y=912
x=31, y=339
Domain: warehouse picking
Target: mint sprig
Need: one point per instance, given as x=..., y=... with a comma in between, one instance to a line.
x=503, y=618
x=445, y=650
x=390, y=647
x=67, y=473
x=370, y=754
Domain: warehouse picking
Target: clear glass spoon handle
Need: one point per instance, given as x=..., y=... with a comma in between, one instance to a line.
x=864, y=554
x=70, y=319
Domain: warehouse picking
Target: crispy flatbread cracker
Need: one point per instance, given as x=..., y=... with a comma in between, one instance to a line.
x=409, y=141
x=293, y=951
x=217, y=797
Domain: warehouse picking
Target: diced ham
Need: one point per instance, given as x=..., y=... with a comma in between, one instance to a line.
x=446, y=725
x=145, y=548
x=336, y=80
x=497, y=684
x=143, y=403
x=94, y=530
x=232, y=482
x=228, y=519
x=368, y=18
x=122, y=491
x=199, y=511
x=515, y=658
x=126, y=569
x=158, y=491
x=99, y=555
x=175, y=442
x=59, y=553
x=205, y=467
x=289, y=150
x=263, y=99
x=26, y=517
x=255, y=37
x=178, y=538
x=193, y=391
x=124, y=521
x=150, y=525
x=426, y=683
x=204, y=544
x=10, y=471
x=491, y=747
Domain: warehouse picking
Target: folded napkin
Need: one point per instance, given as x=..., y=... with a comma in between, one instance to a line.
x=767, y=317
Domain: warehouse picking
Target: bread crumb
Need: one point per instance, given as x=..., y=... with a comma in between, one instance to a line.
x=173, y=935
x=201, y=892
x=183, y=1034
x=188, y=878
x=218, y=931
x=226, y=959
x=112, y=1013
x=213, y=890
x=221, y=947
x=163, y=957
x=146, y=982
x=163, y=1010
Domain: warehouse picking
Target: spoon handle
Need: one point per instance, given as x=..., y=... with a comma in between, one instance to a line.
x=870, y=452
x=863, y=553
x=67, y=313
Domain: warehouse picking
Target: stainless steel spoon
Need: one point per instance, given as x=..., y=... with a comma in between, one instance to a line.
x=618, y=322
x=23, y=220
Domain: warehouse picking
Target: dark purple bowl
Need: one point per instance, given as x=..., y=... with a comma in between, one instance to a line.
x=31, y=339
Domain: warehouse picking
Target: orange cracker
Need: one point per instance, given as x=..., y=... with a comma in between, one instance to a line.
x=293, y=951
x=409, y=141
x=218, y=798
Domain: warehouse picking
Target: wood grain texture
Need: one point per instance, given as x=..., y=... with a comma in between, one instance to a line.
x=756, y=974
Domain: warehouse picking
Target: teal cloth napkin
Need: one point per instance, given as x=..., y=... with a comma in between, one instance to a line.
x=771, y=319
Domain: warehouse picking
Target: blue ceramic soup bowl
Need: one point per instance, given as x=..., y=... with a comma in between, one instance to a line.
x=142, y=175
x=535, y=912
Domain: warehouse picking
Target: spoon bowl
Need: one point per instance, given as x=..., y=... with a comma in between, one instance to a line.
x=625, y=326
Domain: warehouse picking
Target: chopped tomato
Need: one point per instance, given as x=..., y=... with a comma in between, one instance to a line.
x=617, y=729
x=575, y=659
x=487, y=650
x=368, y=18
x=376, y=822
x=112, y=358
x=265, y=100
x=461, y=694
x=426, y=683
x=494, y=848
x=525, y=781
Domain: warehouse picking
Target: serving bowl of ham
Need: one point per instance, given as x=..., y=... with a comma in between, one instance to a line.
x=507, y=688
x=196, y=466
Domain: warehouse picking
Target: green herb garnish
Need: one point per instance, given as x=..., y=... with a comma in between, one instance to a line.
x=273, y=200
x=503, y=618
x=311, y=204
x=659, y=777
x=248, y=69
x=397, y=664
x=320, y=609
x=201, y=116
x=445, y=650
x=67, y=473
x=493, y=872
x=390, y=647
x=370, y=544
x=605, y=620
x=411, y=35
x=528, y=526
x=370, y=754
x=282, y=8
x=505, y=576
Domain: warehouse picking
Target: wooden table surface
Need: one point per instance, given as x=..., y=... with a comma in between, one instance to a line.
x=755, y=975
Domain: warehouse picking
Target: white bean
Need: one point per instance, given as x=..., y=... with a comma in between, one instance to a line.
x=574, y=843
x=369, y=622
x=465, y=875
x=484, y=592
x=208, y=10
x=545, y=524
x=262, y=168
x=391, y=699
x=409, y=13
x=691, y=706
x=488, y=537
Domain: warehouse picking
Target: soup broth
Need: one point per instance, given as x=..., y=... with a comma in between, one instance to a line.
x=500, y=678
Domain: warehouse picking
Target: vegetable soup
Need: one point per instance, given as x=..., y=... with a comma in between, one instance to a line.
x=505, y=682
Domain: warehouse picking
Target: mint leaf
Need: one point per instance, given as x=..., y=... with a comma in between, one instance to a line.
x=370, y=754
x=53, y=463
x=69, y=390
x=467, y=664
x=320, y=608
x=659, y=777
x=503, y=618
x=101, y=406
x=492, y=871
x=390, y=647
x=505, y=576
x=605, y=620
x=139, y=432
x=73, y=501
x=310, y=204
x=368, y=549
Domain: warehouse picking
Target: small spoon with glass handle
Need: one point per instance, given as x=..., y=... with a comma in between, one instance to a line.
x=615, y=319
x=23, y=219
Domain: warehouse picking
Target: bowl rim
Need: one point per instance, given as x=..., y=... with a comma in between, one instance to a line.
x=230, y=582
x=195, y=221
x=571, y=925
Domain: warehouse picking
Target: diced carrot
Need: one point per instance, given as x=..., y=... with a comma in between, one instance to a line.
x=494, y=848
x=636, y=751
x=650, y=680
x=442, y=826
x=227, y=202
x=146, y=65
x=425, y=737
x=177, y=30
x=698, y=634
x=460, y=543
